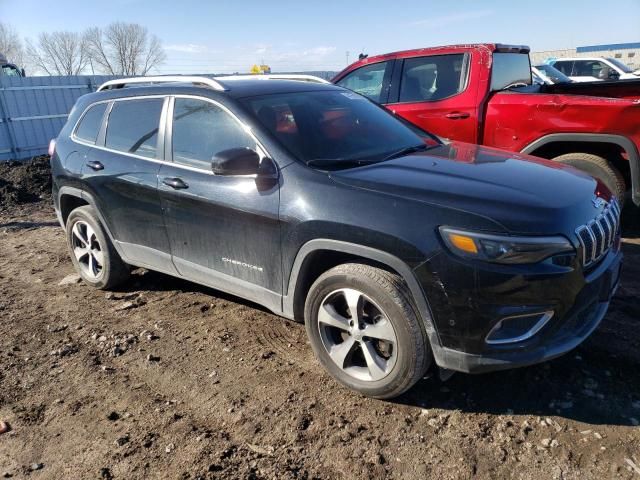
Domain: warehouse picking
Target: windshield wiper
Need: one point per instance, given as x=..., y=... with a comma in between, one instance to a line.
x=338, y=162
x=407, y=150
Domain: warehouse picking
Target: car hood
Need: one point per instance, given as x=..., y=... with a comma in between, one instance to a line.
x=524, y=194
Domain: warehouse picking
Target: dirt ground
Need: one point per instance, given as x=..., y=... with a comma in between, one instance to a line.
x=168, y=379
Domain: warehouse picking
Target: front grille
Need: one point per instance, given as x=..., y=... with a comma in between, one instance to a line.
x=598, y=236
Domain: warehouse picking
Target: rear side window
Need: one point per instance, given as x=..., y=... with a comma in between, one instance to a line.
x=564, y=67
x=367, y=81
x=510, y=70
x=90, y=124
x=202, y=129
x=133, y=126
x=587, y=68
x=428, y=79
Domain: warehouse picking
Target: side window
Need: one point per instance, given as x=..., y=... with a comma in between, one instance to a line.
x=10, y=71
x=564, y=67
x=587, y=68
x=367, y=81
x=432, y=78
x=202, y=129
x=133, y=126
x=90, y=123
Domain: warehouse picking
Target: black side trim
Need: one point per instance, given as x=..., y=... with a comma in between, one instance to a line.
x=623, y=142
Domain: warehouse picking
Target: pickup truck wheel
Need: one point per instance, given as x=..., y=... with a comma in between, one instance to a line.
x=364, y=330
x=599, y=168
x=92, y=253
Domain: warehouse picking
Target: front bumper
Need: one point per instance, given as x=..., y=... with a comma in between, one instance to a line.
x=583, y=308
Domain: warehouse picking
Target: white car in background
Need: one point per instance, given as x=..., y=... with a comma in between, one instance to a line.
x=585, y=69
x=548, y=75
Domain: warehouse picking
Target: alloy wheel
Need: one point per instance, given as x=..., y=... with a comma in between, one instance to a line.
x=357, y=335
x=87, y=249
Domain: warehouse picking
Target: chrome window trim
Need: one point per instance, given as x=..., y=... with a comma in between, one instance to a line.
x=546, y=316
x=166, y=131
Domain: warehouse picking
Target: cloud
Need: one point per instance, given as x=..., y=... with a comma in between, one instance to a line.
x=444, y=20
x=186, y=48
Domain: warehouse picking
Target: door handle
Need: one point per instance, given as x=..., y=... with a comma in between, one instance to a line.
x=95, y=165
x=457, y=115
x=175, y=183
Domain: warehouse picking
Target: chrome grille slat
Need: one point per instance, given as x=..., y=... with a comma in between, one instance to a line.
x=598, y=235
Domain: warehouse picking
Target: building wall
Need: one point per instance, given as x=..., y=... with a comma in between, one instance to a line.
x=626, y=53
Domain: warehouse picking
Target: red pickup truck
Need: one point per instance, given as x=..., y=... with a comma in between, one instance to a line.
x=483, y=94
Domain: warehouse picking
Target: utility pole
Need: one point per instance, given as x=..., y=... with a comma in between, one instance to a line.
x=347, y=52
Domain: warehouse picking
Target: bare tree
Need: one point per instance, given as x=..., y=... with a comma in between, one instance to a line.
x=11, y=45
x=59, y=53
x=124, y=49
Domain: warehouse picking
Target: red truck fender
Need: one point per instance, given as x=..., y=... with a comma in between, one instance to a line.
x=623, y=142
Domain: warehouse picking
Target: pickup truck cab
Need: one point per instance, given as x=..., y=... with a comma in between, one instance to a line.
x=581, y=69
x=9, y=69
x=483, y=94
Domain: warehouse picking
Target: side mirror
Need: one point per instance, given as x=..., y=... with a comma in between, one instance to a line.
x=24, y=74
x=613, y=75
x=236, y=161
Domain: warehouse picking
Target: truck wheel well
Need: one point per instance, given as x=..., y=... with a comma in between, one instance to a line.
x=612, y=152
x=314, y=265
x=68, y=203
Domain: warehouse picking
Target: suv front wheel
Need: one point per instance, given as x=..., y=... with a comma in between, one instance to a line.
x=92, y=252
x=364, y=330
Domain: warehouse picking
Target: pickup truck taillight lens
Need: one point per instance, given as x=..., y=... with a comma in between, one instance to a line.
x=52, y=147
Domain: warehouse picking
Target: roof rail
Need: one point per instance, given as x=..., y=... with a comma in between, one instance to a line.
x=209, y=82
x=276, y=76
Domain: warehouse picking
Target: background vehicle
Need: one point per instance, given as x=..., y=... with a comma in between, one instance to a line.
x=548, y=75
x=582, y=69
x=9, y=69
x=483, y=94
x=395, y=249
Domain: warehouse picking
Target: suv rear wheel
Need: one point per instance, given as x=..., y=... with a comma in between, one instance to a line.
x=364, y=330
x=599, y=168
x=92, y=253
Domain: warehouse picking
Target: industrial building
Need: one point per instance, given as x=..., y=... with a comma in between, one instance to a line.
x=628, y=53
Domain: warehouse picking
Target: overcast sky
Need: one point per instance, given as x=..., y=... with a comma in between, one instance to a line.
x=229, y=36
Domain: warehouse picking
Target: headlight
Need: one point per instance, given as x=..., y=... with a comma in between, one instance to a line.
x=503, y=249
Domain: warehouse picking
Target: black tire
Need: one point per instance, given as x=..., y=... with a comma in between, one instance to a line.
x=599, y=168
x=113, y=270
x=389, y=292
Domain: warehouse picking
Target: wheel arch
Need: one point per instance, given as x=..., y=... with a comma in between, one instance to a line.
x=317, y=256
x=550, y=146
x=70, y=198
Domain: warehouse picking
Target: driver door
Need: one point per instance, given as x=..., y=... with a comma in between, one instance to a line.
x=223, y=230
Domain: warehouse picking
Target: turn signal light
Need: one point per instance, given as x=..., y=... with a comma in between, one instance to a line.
x=466, y=244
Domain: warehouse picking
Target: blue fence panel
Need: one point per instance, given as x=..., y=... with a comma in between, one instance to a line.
x=33, y=110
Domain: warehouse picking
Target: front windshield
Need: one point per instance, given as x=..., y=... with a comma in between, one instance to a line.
x=553, y=73
x=333, y=126
x=620, y=65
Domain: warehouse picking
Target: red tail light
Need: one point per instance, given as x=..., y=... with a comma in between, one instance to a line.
x=52, y=147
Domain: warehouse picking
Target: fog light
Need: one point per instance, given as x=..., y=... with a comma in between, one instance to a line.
x=517, y=328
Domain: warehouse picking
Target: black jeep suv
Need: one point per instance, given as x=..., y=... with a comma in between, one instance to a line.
x=396, y=249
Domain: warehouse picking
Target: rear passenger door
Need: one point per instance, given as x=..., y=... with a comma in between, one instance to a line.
x=224, y=230
x=433, y=92
x=121, y=174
